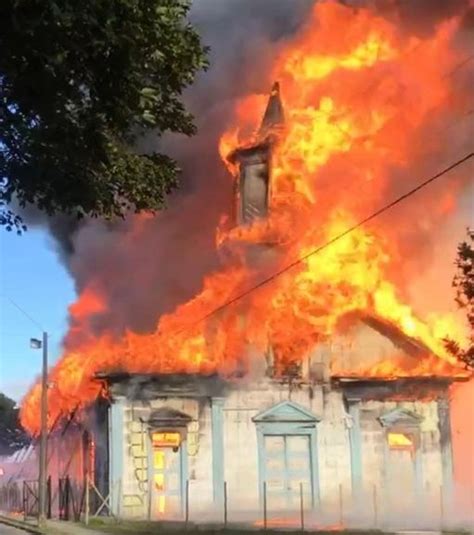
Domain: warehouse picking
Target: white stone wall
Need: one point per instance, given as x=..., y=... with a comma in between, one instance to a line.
x=334, y=451
x=373, y=442
x=135, y=485
x=135, y=463
x=240, y=440
x=241, y=452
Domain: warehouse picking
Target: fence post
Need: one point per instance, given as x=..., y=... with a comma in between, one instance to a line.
x=48, y=497
x=376, y=513
x=225, y=504
x=265, y=505
x=186, y=521
x=341, y=506
x=67, y=498
x=24, y=500
x=86, y=501
x=301, y=507
x=119, y=502
x=441, y=507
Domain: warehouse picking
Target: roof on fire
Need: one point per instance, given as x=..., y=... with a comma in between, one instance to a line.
x=145, y=385
x=415, y=351
x=273, y=118
x=274, y=115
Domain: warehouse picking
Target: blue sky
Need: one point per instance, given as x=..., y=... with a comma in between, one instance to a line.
x=32, y=276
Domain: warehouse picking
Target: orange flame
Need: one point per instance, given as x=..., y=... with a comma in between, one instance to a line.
x=356, y=93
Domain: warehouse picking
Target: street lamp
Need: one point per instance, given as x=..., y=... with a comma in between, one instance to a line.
x=42, y=344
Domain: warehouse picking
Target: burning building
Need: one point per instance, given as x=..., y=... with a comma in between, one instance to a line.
x=322, y=387
x=309, y=428
x=365, y=409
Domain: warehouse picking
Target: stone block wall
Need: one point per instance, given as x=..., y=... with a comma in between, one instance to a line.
x=240, y=439
x=373, y=444
x=241, y=456
x=334, y=451
x=135, y=465
x=135, y=484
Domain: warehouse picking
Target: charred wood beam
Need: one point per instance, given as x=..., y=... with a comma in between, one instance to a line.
x=407, y=388
x=145, y=387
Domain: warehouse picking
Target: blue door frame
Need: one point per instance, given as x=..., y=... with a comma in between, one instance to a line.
x=288, y=419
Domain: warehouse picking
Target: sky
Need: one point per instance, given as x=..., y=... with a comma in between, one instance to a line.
x=31, y=276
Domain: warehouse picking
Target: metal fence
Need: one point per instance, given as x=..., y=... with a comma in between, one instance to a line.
x=371, y=509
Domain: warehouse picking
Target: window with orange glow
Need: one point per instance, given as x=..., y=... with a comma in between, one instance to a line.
x=400, y=441
x=163, y=440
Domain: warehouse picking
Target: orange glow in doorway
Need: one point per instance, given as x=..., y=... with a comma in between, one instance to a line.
x=163, y=440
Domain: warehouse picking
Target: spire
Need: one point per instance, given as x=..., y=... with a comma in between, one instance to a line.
x=274, y=114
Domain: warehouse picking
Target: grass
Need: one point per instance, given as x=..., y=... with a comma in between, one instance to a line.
x=170, y=528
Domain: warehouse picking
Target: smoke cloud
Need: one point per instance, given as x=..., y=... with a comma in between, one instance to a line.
x=144, y=267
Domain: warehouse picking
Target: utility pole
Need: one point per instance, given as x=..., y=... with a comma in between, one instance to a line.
x=43, y=469
x=44, y=435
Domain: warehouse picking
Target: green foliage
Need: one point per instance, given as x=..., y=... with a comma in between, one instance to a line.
x=12, y=436
x=80, y=83
x=464, y=284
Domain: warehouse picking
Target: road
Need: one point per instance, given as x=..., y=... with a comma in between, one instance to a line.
x=8, y=530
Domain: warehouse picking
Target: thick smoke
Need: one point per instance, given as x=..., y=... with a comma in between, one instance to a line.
x=145, y=270
x=143, y=266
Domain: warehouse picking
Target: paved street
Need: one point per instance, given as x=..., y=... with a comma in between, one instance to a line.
x=7, y=530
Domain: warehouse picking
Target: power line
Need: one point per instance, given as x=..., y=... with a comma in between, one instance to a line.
x=298, y=261
x=18, y=307
x=459, y=66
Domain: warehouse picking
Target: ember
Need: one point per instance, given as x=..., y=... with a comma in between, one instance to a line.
x=355, y=101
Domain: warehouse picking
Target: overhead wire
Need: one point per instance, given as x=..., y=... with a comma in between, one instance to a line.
x=328, y=243
x=23, y=311
x=300, y=260
x=461, y=64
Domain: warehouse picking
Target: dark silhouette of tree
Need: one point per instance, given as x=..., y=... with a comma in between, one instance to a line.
x=80, y=83
x=463, y=282
x=12, y=436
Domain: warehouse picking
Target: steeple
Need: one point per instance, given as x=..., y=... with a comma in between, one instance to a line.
x=274, y=115
x=254, y=164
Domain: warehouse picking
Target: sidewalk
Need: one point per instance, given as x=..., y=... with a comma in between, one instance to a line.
x=57, y=527
x=52, y=527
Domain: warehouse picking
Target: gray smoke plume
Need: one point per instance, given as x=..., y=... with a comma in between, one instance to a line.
x=147, y=269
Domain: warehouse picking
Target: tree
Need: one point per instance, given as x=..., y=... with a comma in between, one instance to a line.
x=12, y=436
x=464, y=283
x=80, y=83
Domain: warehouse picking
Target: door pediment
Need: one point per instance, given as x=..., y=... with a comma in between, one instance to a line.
x=286, y=411
x=400, y=418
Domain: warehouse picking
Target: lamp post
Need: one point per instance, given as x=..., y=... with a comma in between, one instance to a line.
x=43, y=344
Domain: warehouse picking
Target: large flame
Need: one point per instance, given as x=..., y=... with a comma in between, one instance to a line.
x=356, y=93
